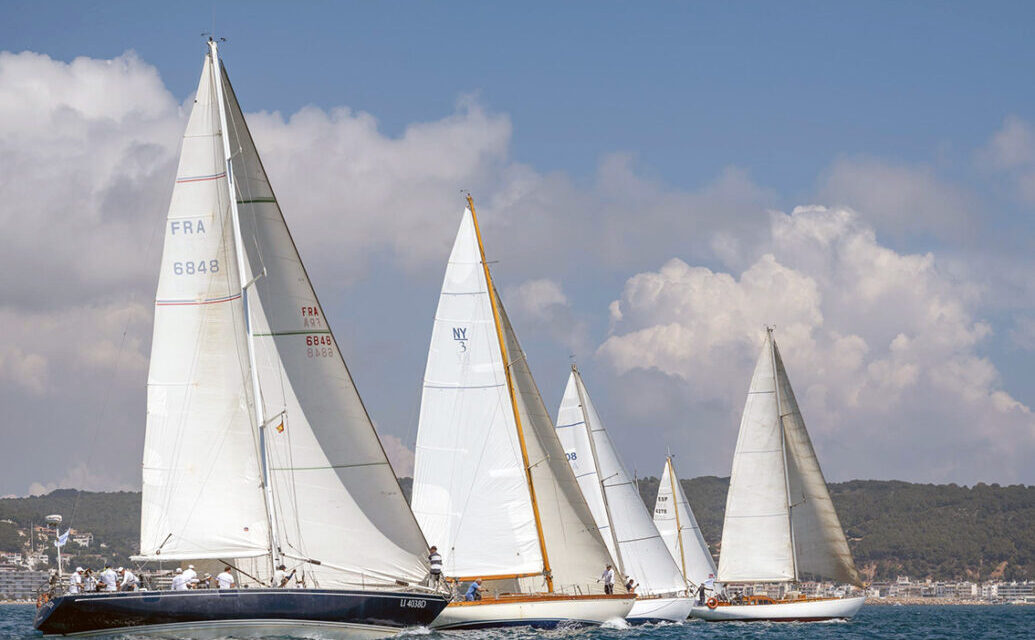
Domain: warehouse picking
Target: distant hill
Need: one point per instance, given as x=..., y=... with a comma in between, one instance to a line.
x=894, y=528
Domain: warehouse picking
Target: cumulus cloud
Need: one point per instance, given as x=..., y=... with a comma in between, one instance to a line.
x=1011, y=152
x=873, y=339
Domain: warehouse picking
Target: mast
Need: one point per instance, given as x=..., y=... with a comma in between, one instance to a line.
x=783, y=448
x=513, y=398
x=679, y=527
x=260, y=417
x=596, y=466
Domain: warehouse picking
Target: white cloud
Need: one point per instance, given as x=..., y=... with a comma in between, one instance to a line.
x=899, y=199
x=398, y=454
x=1011, y=152
x=871, y=339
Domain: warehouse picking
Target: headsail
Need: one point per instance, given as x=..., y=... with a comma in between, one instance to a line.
x=678, y=526
x=337, y=499
x=780, y=522
x=820, y=546
x=201, y=480
x=619, y=512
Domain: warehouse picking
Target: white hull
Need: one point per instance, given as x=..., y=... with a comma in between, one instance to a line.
x=535, y=612
x=805, y=611
x=660, y=610
x=244, y=629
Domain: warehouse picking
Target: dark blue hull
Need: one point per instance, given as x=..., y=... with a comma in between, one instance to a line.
x=262, y=611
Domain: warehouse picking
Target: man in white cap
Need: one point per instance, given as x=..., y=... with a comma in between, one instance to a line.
x=129, y=580
x=109, y=579
x=178, y=583
x=191, y=576
x=75, y=581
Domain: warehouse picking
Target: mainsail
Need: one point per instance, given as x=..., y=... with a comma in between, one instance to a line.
x=613, y=498
x=335, y=505
x=491, y=487
x=780, y=522
x=678, y=527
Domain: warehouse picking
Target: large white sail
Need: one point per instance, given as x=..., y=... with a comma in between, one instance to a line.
x=820, y=546
x=678, y=527
x=756, y=532
x=470, y=493
x=336, y=498
x=780, y=522
x=575, y=549
x=201, y=477
x=621, y=516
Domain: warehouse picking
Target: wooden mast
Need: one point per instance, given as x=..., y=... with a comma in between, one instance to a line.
x=679, y=528
x=513, y=398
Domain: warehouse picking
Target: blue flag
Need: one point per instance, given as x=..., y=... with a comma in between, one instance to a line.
x=62, y=539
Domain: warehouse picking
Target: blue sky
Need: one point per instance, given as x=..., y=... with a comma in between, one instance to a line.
x=607, y=139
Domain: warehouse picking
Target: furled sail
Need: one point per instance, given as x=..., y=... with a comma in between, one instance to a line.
x=471, y=492
x=678, y=527
x=201, y=476
x=613, y=498
x=780, y=523
x=336, y=498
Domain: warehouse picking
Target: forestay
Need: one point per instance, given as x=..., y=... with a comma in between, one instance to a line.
x=336, y=498
x=201, y=480
x=678, y=527
x=612, y=495
x=470, y=493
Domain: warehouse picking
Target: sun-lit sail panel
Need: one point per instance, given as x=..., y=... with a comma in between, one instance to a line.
x=756, y=534
x=470, y=494
x=201, y=481
x=336, y=498
x=678, y=527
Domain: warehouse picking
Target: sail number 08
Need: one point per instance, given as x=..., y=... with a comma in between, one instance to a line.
x=201, y=266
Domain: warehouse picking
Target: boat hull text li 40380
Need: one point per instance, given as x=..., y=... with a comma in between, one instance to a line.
x=259, y=457
x=237, y=612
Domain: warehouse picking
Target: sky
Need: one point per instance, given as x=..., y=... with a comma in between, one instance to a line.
x=656, y=183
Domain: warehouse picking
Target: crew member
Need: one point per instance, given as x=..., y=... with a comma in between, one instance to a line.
x=109, y=579
x=435, y=560
x=225, y=579
x=474, y=592
x=179, y=583
x=89, y=581
x=609, y=580
x=630, y=584
x=75, y=581
x=281, y=578
x=191, y=576
x=129, y=581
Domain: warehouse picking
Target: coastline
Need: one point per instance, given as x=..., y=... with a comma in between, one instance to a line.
x=936, y=602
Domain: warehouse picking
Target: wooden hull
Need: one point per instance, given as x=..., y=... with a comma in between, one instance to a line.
x=251, y=613
x=660, y=610
x=798, y=611
x=544, y=611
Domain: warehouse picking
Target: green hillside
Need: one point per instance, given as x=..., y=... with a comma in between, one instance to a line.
x=940, y=531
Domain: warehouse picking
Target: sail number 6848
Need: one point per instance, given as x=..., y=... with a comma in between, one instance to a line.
x=191, y=267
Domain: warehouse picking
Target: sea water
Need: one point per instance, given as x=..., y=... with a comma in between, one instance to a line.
x=899, y=623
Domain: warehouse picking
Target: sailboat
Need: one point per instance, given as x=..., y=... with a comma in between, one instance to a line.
x=258, y=449
x=491, y=487
x=619, y=512
x=678, y=528
x=780, y=524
